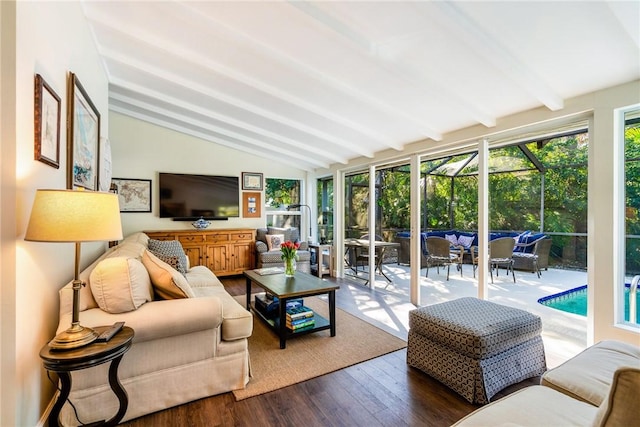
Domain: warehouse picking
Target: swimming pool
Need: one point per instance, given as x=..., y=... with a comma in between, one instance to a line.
x=575, y=301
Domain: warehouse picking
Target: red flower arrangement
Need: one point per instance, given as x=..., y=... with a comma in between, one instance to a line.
x=289, y=249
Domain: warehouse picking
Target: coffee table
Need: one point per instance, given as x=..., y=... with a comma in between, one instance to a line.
x=285, y=288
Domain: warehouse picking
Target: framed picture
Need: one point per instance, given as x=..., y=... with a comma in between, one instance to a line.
x=251, y=205
x=251, y=181
x=47, y=107
x=134, y=195
x=83, y=138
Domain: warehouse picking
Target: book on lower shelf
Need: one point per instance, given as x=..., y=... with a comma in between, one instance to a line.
x=300, y=318
x=304, y=323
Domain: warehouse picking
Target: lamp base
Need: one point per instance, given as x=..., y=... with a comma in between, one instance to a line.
x=74, y=337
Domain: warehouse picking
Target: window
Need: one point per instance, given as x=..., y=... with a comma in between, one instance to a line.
x=632, y=207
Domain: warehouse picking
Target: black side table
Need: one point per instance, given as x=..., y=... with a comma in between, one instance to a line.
x=63, y=362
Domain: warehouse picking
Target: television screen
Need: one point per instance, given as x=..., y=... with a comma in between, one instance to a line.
x=186, y=196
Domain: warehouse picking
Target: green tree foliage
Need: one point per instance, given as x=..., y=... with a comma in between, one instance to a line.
x=281, y=192
x=632, y=197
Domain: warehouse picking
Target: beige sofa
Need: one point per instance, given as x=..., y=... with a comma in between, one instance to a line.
x=598, y=387
x=184, y=349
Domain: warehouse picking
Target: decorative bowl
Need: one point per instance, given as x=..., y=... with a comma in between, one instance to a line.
x=201, y=224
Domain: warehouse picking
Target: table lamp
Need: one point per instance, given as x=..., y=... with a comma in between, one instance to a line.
x=74, y=216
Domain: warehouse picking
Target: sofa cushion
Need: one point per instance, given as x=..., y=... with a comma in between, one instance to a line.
x=620, y=408
x=120, y=284
x=169, y=250
x=532, y=406
x=594, y=367
x=168, y=283
x=274, y=241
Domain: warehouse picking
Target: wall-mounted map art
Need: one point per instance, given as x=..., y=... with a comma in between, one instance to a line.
x=83, y=138
x=134, y=195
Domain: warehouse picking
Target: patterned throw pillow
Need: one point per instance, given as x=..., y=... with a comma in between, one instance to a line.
x=274, y=241
x=465, y=241
x=166, y=250
x=451, y=238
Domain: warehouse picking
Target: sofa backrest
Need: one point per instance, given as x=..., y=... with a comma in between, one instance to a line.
x=291, y=233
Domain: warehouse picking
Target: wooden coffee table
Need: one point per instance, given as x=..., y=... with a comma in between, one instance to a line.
x=286, y=288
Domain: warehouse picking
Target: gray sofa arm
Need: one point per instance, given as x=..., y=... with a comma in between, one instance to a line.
x=261, y=246
x=304, y=246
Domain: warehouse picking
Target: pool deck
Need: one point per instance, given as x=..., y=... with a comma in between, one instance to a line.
x=387, y=305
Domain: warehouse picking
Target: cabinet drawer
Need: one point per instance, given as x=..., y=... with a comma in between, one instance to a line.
x=191, y=239
x=217, y=237
x=242, y=236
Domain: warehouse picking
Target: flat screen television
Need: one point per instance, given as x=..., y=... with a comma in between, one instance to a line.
x=187, y=196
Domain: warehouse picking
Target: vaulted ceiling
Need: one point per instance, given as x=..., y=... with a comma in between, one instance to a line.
x=318, y=83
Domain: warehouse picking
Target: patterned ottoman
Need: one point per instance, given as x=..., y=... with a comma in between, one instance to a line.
x=475, y=347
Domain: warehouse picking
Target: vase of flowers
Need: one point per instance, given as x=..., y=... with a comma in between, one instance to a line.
x=289, y=252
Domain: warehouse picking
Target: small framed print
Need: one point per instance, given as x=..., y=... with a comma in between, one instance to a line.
x=134, y=195
x=251, y=205
x=251, y=181
x=47, y=108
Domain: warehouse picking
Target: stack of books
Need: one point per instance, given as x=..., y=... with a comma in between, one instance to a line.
x=299, y=318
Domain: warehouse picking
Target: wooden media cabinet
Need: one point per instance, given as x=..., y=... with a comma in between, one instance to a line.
x=224, y=251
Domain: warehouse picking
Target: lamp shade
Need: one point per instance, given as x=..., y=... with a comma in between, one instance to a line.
x=74, y=216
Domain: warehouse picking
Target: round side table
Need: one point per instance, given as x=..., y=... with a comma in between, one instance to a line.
x=63, y=362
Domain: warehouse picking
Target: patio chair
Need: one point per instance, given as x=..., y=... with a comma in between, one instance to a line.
x=359, y=256
x=537, y=259
x=501, y=255
x=439, y=254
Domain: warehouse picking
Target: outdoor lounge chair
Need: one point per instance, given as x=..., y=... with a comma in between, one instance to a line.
x=439, y=254
x=533, y=260
x=500, y=255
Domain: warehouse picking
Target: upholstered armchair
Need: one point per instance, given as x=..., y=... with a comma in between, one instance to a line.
x=270, y=256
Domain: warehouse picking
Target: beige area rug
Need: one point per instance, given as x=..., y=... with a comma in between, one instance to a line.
x=311, y=355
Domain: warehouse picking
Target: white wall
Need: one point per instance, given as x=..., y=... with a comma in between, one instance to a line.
x=141, y=149
x=51, y=38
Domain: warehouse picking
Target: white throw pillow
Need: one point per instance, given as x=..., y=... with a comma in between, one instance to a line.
x=465, y=241
x=120, y=284
x=274, y=241
x=451, y=238
x=167, y=282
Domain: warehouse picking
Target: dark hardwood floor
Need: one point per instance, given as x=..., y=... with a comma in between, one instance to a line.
x=380, y=392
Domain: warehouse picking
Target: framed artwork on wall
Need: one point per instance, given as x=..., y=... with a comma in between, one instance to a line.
x=47, y=107
x=134, y=195
x=251, y=205
x=251, y=181
x=83, y=138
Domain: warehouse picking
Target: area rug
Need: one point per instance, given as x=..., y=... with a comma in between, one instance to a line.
x=311, y=355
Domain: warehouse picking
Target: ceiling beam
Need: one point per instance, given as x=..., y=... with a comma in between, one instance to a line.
x=374, y=52
x=395, y=112
x=299, y=155
x=494, y=52
x=175, y=79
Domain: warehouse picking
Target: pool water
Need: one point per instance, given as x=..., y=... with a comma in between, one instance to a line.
x=575, y=301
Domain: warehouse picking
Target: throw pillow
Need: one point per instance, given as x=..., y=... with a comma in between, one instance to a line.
x=167, y=282
x=120, y=284
x=451, y=238
x=169, y=248
x=465, y=241
x=274, y=241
